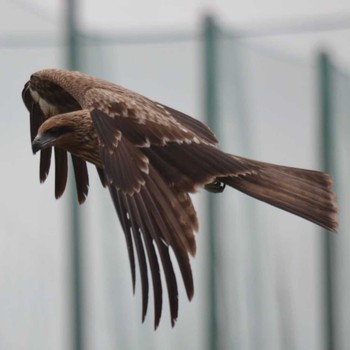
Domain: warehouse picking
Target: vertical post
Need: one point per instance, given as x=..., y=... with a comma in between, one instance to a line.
x=75, y=232
x=211, y=111
x=325, y=96
x=72, y=35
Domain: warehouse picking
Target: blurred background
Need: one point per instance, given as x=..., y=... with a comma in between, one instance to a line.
x=272, y=80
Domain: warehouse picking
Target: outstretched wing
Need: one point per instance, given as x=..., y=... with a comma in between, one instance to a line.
x=151, y=162
x=153, y=215
x=152, y=157
x=44, y=99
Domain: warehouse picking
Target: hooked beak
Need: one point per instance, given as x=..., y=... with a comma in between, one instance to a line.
x=42, y=141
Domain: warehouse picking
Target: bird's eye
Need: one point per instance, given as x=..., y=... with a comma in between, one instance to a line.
x=59, y=130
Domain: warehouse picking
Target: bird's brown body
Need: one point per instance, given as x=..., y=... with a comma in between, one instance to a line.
x=151, y=157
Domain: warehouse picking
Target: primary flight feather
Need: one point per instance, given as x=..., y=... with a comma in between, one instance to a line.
x=151, y=157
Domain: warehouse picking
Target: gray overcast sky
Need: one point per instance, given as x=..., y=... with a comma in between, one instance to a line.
x=152, y=15
x=126, y=14
x=136, y=13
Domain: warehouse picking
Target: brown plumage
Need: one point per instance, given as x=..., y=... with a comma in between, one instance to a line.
x=150, y=157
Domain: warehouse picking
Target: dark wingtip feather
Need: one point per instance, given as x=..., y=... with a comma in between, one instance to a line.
x=81, y=178
x=140, y=254
x=36, y=119
x=26, y=97
x=61, y=171
x=121, y=212
x=45, y=162
x=102, y=176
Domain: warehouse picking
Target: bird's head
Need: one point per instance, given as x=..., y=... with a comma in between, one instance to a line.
x=63, y=130
x=73, y=132
x=55, y=131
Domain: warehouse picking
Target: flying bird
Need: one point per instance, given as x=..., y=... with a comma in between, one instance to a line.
x=150, y=157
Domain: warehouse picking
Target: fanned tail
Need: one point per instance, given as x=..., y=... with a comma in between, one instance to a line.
x=305, y=193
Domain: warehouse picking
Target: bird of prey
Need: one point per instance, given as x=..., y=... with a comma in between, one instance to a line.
x=150, y=157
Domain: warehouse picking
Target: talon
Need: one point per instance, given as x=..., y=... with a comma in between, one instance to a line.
x=215, y=187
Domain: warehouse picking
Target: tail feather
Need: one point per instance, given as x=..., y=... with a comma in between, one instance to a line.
x=306, y=193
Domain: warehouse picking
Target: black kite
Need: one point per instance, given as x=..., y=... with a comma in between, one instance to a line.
x=151, y=157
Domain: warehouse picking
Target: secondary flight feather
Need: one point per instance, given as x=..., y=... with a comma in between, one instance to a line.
x=150, y=157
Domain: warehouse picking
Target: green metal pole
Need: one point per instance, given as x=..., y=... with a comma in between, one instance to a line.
x=75, y=233
x=211, y=111
x=72, y=35
x=325, y=82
